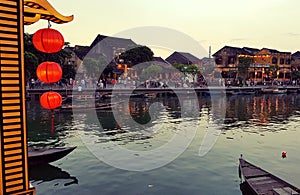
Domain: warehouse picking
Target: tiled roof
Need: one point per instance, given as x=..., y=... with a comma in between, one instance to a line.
x=296, y=54
x=113, y=41
x=232, y=51
x=190, y=57
x=81, y=51
x=159, y=59
x=251, y=50
x=182, y=58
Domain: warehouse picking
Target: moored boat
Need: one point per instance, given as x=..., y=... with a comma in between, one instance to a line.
x=279, y=91
x=262, y=182
x=38, y=156
x=207, y=93
x=87, y=107
x=240, y=92
x=273, y=90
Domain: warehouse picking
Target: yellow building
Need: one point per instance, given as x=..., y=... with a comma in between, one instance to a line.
x=267, y=63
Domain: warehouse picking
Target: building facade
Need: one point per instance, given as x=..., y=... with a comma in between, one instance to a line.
x=266, y=63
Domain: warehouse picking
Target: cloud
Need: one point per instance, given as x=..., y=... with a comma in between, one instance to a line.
x=291, y=34
x=237, y=40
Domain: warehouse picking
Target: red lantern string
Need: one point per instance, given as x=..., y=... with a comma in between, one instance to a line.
x=51, y=100
x=48, y=40
x=49, y=72
x=52, y=121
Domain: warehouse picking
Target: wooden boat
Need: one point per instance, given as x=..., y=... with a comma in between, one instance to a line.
x=37, y=156
x=87, y=107
x=292, y=91
x=240, y=92
x=279, y=91
x=150, y=95
x=207, y=93
x=261, y=182
x=273, y=90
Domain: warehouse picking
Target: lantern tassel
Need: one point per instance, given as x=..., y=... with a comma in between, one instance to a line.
x=52, y=121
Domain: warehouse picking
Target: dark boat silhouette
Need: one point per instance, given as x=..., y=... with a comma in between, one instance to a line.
x=260, y=182
x=47, y=172
x=37, y=156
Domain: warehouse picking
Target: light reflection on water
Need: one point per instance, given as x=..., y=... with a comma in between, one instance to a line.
x=260, y=127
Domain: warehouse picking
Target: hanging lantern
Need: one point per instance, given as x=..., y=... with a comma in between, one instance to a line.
x=48, y=40
x=51, y=100
x=49, y=72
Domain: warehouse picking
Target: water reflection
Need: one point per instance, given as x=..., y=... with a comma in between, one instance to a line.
x=241, y=111
x=244, y=114
x=47, y=172
x=263, y=110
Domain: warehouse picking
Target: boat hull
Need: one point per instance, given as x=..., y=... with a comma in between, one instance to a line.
x=262, y=182
x=37, y=156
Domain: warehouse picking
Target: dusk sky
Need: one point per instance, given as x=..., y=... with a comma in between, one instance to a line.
x=252, y=23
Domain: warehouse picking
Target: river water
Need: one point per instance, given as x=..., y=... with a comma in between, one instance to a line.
x=258, y=126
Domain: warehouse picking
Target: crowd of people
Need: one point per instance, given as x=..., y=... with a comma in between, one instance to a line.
x=94, y=83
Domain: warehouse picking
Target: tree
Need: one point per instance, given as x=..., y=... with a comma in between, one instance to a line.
x=273, y=71
x=243, y=66
x=136, y=55
x=193, y=70
x=151, y=72
x=295, y=75
x=182, y=68
x=33, y=57
x=31, y=62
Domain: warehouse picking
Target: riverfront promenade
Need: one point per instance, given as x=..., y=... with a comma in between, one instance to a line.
x=34, y=94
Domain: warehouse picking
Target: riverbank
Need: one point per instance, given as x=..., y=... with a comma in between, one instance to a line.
x=34, y=94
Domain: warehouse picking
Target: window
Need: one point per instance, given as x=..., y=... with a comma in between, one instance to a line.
x=288, y=61
x=231, y=59
x=281, y=60
x=259, y=75
x=274, y=60
x=280, y=75
x=219, y=60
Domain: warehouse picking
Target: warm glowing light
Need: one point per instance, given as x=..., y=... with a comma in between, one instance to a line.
x=51, y=100
x=48, y=40
x=49, y=72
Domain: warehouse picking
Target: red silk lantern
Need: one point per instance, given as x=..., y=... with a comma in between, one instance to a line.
x=49, y=72
x=48, y=40
x=51, y=100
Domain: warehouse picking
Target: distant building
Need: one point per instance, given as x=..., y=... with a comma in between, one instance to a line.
x=266, y=58
x=183, y=58
x=110, y=47
x=77, y=55
x=295, y=62
x=167, y=69
x=227, y=62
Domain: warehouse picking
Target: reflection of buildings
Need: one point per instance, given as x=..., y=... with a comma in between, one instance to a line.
x=227, y=60
x=260, y=110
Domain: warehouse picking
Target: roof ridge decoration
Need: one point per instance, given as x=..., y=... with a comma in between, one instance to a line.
x=34, y=10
